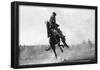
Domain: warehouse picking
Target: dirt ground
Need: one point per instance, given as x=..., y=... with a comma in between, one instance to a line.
x=38, y=55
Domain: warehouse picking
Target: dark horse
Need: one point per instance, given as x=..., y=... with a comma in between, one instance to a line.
x=54, y=39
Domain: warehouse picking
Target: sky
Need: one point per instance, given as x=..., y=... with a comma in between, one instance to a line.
x=77, y=25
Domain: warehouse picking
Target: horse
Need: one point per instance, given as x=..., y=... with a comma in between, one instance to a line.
x=54, y=40
x=55, y=36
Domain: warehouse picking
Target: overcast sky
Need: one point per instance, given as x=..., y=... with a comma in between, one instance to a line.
x=76, y=24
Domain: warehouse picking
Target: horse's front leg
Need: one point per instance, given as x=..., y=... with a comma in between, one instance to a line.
x=53, y=48
x=52, y=45
x=55, y=52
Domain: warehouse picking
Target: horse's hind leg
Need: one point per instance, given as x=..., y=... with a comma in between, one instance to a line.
x=65, y=44
x=60, y=47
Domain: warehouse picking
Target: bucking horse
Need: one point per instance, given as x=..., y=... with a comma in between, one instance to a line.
x=55, y=37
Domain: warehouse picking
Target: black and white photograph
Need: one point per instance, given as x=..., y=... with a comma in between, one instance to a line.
x=56, y=35
x=50, y=34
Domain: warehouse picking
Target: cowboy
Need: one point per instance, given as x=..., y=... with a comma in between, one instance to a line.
x=53, y=21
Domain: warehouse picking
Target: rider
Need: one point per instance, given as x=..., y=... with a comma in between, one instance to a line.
x=54, y=27
x=53, y=21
